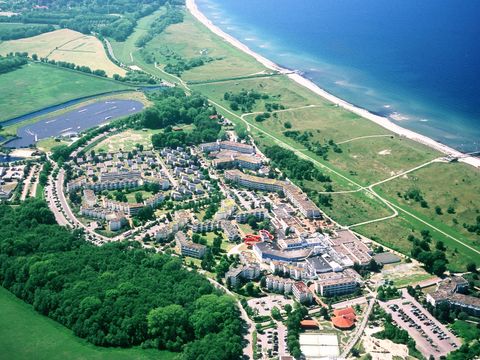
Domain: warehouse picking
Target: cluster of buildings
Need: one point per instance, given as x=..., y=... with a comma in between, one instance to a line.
x=174, y=172
x=187, y=247
x=291, y=191
x=452, y=291
x=187, y=177
x=9, y=179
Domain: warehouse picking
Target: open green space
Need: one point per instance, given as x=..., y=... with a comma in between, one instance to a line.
x=394, y=232
x=145, y=195
x=36, y=86
x=468, y=331
x=226, y=245
x=126, y=141
x=446, y=185
x=123, y=49
x=25, y=334
x=411, y=279
x=191, y=39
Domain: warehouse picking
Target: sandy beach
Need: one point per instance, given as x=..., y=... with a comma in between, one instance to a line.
x=382, y=121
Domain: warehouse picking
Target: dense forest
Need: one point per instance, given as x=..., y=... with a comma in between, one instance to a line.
x=10, y=63
x=115, y=295
x=114, y=18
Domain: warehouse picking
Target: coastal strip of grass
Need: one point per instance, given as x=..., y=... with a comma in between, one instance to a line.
x=25, y=335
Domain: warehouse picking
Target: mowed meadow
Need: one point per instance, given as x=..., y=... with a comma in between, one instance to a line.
x=66, y=45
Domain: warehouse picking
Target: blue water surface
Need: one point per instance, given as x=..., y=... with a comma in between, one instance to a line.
x=417, y=62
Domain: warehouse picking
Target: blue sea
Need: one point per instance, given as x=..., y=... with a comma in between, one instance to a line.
x=416, y=62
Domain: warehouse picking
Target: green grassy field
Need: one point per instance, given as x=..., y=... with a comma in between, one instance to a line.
x=36, y=86
x=126, y=141
x=466, y=330
x=443, y=185
x=122, y=49
x=190, y=38
x=145, y=194
x=25, y=334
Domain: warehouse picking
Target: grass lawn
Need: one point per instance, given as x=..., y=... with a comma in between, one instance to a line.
x=66, y=45
x=190, y=38
x=466, y=330
x=126, y=141
x=444, y=185
x=47, y=144
x=411, y=279
x=226, y=245
x=394, y=233
x=145, y=194
x=25, y=334
x=122, y=49
x=36, y=86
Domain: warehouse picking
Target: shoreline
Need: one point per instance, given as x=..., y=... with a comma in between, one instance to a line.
x=379, y=120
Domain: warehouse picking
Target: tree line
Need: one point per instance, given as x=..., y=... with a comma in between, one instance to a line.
x=294, y=167
x=11, y=62
x=115, y=295
x=172, y=16
x=24, y=31
x=113, y=18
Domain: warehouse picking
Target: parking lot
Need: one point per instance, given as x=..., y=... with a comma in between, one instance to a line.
x=264, y=305
x=431, y=337
x=273, y=342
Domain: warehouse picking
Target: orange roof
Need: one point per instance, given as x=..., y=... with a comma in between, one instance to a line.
x=308, y=323
x=345, y=311
x=342, y=322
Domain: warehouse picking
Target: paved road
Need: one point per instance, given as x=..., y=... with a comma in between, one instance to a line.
x=58, y=183
x=360, y=328
x=352, y=302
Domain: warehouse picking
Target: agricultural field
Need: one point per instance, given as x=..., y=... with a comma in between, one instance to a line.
x=191, y=39
x=36, y=86
x=66, y=45
x=25, y=334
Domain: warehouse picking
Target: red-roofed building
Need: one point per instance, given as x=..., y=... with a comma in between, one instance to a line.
x=345, y=311
x=309, y=324
x=342, y=323
x=344, y=318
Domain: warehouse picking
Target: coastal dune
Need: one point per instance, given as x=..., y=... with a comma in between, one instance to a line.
x=382, y=121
